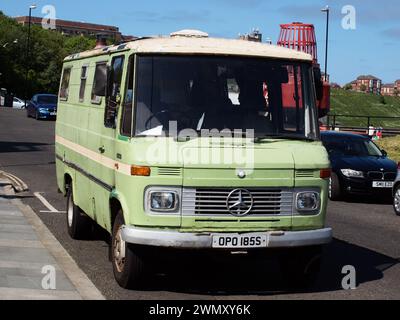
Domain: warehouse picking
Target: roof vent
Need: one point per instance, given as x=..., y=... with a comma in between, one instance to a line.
x=190, y=34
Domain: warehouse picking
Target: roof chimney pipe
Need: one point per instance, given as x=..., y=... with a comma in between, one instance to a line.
x=101, y=41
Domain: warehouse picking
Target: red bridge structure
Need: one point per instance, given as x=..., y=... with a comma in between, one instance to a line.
x=301, y=36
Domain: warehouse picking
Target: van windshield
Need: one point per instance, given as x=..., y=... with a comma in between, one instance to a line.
x=274, y=98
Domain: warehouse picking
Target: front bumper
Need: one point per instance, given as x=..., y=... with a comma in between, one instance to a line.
x=175, y=239
x=362, y=186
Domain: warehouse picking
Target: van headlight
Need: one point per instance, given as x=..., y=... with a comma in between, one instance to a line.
x=162, y=200
x=308, y=202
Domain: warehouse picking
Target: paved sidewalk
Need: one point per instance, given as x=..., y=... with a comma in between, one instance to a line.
x=30, y=255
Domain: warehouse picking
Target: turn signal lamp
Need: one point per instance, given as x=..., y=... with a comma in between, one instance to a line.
x=325, y=173
x=140, y=171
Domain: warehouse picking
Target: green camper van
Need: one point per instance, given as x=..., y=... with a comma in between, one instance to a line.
x=192, y=143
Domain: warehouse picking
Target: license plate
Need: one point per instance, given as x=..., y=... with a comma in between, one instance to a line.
x=243, y=241
x=53, y=113
x=382, y=184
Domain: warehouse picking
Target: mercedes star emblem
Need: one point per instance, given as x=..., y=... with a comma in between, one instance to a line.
x=240, y=202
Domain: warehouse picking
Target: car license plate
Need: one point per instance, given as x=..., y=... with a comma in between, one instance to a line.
x=236, y=241
x=53, y=113
x=382, y=184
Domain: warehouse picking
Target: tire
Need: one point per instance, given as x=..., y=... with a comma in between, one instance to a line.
x=396, y=200
x=301, y=266
x=335, y=191
x=79, y=225
x=37, y=116
x=130, y=271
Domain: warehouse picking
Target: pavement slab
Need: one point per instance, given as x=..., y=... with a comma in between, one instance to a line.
x=33, y=264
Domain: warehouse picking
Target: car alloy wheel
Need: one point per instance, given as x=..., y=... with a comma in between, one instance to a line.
x=397, y=201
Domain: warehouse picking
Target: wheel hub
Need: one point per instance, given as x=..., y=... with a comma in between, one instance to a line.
x=397, y=201
x=119, y=246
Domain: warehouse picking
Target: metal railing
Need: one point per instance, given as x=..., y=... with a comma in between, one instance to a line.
x=332, y=122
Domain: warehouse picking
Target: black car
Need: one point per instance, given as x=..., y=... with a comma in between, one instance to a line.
x=358, y=166
x=42, y=106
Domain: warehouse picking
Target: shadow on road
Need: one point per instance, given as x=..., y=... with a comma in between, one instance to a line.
x=242, y=276
x=385, y=199
x=11, y=147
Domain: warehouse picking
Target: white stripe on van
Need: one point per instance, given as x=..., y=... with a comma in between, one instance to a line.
x=94, y=156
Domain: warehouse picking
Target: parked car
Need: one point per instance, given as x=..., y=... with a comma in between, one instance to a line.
x=359, y=166
x=18, y=103
x=396, y=194
x=42, y=106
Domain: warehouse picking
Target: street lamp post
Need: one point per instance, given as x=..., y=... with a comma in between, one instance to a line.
x=28, y=54
x=327, y=11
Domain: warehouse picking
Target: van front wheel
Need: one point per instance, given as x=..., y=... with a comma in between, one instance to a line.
x=128, y=263
x=78, y=224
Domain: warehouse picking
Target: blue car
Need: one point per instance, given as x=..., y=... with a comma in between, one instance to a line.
x=42, y=106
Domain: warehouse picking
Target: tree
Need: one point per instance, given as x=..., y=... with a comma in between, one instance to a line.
x=363, y=88
x=348, y=87
x=48, y=50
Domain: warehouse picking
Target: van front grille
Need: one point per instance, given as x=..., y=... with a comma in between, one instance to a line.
x=169, y=171
x=215, y=202
x=304, y=174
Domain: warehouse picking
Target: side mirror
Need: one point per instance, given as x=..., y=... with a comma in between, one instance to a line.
x=384, y=153
x=319, y=85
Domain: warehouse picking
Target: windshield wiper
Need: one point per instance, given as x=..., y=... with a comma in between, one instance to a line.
x=282, y=137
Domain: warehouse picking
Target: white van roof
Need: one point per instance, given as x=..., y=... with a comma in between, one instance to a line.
x=182, y=44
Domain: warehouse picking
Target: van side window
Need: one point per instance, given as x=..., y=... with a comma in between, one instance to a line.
x=126, y=121
x=99, y=82
x=64, y=89
x=113, y=91
x=84, y=73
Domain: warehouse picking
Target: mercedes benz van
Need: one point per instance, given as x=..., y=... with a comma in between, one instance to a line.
x=194, y=143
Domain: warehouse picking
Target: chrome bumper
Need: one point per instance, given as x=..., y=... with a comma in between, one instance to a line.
x=174, y=239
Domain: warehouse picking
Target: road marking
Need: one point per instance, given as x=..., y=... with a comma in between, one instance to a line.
x=45, y=203
x=44, y=211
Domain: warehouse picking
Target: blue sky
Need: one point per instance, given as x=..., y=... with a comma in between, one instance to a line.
x=373, y=48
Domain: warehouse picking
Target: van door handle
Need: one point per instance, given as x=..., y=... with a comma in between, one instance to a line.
x=102, y=150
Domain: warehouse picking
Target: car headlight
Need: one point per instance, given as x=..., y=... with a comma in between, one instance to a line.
x=352, y=173
x=158, y=200
x=308, y=201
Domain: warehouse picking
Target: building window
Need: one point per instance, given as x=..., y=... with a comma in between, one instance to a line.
x=84, y=73
x=64, y=89
x=99, y=83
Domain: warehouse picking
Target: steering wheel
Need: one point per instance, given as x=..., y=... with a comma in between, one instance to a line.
x=163, y=112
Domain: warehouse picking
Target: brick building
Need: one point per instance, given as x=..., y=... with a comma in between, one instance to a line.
x=388, y=89
x=79, y=28
x=370, y=83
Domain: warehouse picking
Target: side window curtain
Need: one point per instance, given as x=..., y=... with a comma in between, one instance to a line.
x=126, y=119
x=84, y=73
x=64, y=89
x=114, y=91
x=99, y=82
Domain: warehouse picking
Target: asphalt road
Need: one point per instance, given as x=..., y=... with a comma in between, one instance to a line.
x=366, y=237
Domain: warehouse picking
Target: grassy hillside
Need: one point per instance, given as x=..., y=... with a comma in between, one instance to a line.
x=392, y=146
x=355, y=103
